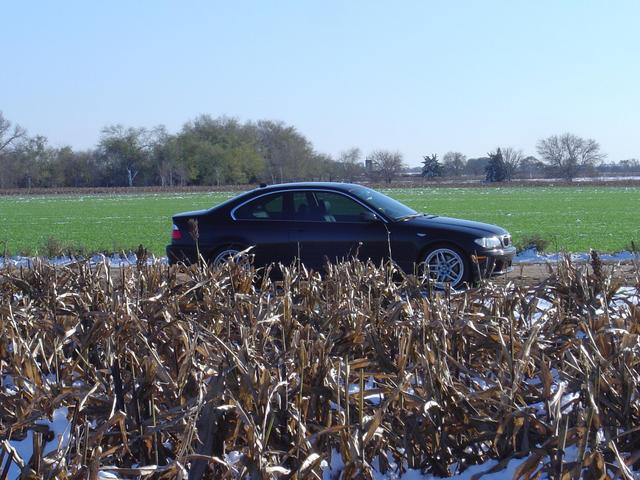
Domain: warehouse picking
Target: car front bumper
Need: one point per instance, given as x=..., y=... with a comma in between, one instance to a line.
x=490, y=263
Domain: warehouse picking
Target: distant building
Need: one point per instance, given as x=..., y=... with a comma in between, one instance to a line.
x=368, y=165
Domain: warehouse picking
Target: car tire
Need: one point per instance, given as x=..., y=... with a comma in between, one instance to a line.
x=445, y=265
x=223, y=254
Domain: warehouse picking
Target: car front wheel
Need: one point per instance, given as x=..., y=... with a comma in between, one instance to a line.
x=444, y=266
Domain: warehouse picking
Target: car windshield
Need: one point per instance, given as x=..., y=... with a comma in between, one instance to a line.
x=383, y=204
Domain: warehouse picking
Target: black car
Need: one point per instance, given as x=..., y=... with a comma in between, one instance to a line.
x=319, y=222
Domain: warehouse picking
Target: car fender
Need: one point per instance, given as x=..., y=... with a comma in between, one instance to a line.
x=441, y=243
x=230, y=240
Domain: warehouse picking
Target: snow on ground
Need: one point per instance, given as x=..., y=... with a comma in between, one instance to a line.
x=115, y=260
x=370, y=384
x=626, y=295
x=104, y=475
x=332, y=470
x=59, y=425
x=529, y=256
x=597, y=178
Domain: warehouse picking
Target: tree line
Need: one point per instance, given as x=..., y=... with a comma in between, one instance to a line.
x=561, y=156
x=218, y=151
x=206, y=151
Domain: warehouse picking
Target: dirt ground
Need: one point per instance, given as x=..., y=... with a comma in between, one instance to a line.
x=533, y=274
x=530, y=274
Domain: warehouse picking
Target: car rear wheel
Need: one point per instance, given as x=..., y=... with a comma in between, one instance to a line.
x=221, y=256
x=444, y=266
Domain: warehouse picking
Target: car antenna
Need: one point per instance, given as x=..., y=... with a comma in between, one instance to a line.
x=262, y=185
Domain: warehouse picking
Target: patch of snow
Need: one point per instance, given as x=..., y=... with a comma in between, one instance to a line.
x=571, y=454
x=9, y=385
x=370, y=384
x=233, y=457
x=104, y=475
x=528, y=256
x=114, y=260
x=543, y=307
x=567, y=402
x=333, y=468
x=16, y=261
x=506, y=474
x=482, y=384
x=627, y=295
x=606, y=178
x=59, y=425
x=620, y=303
x=532, y=256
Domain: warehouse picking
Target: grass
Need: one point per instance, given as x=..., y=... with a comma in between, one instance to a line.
x=569, y=218
x=108, y=223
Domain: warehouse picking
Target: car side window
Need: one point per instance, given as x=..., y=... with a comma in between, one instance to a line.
x=333, y=207
x=269, y=207
x=303, y=210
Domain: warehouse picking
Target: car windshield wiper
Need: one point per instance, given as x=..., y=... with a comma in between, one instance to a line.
x=408, y=217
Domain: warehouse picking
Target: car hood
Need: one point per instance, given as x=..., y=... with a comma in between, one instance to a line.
x=194, y=213
x=466, y=226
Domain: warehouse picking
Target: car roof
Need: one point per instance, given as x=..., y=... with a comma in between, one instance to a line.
x=282, y=187
x=338, y=186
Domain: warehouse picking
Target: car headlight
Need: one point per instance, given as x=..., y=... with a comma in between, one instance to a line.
x=488, y=242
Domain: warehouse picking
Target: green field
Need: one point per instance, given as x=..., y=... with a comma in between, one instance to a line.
x=570, y=218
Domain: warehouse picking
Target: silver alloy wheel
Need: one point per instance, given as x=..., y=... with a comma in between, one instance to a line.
x=224, y=255
x=444, y=266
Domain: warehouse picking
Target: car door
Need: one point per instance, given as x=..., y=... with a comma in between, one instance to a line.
x=332, y=226
x=264, y=224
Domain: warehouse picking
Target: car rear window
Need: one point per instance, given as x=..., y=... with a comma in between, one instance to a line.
x=269, y=207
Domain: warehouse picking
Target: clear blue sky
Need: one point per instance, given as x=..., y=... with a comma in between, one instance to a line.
x=415, y=76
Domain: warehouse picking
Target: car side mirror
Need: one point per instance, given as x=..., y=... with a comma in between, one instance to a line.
x=369, y=217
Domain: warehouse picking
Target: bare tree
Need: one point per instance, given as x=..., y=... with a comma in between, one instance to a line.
x=569, y=154
x=454, y=163
x=350, y=163
x=512, y=159
x=387, y=165
x=9, y=135
x=630, y=165
x=531, y=166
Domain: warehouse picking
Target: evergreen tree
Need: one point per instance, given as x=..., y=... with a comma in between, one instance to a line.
x=496, y=169
x=431, y=167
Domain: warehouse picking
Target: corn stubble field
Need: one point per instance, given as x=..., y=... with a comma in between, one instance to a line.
x=174, y=372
